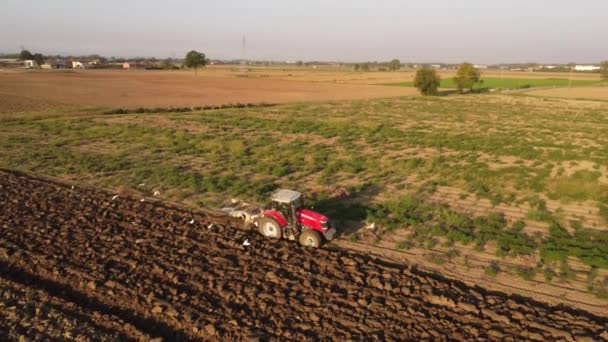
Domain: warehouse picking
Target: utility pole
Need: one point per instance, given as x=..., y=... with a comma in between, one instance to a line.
x=570, y=76
x=243, y=53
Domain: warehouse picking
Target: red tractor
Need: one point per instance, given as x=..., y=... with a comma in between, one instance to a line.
x=287, y=219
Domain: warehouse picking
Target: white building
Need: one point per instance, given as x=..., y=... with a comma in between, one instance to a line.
x=30, y=64
x=586, y=67
x=77, y=65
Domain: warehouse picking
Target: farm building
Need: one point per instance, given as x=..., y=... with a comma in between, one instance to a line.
x=133, y=65
x=60, y=64
x=77, y=65
x=586, y=67
x=10, y=63
x=30, y=64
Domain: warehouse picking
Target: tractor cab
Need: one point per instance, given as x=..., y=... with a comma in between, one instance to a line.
x=288, y=203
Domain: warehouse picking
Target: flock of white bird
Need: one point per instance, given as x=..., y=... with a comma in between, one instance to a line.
x=246, y=243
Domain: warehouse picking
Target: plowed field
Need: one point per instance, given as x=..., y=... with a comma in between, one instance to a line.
x=27, y=91
x=79, y=264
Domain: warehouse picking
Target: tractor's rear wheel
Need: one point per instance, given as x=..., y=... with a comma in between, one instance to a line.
x=270, y=228
x=310, y=238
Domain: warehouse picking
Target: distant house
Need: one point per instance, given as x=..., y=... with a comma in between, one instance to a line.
x=77, y=65
x=60, y=64
x=10, y=63
x=480, y=66
x=586, y=67
x=133, y=65
x=46, y=66
x=30, y=64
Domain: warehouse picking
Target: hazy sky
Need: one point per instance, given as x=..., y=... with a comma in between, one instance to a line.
x=480, y=31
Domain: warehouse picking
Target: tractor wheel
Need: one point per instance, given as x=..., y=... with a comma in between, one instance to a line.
x=310, y=238
x=270, y=228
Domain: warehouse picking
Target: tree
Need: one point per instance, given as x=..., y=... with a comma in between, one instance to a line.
x=394, y=65
x=427, y=81
x=604, y=71
x=365, y=67
x=167, y=64
x=195, y=59
x=38, y=58
x=466, y=77
x=25, y=55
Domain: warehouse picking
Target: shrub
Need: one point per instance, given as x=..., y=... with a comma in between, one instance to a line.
x=427, y=81
x=436, y=259
x=603, y=211
x=526, y=273
x=549, y=273
x=565, y=272
x=466, y=77
x=492, y=269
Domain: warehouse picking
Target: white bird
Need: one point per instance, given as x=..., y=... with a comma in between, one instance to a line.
x=191, y=221
x=142, y=184
x=72, y=187
x=115, y=197
x=210, y=226
x=142, y=200
x=156, y=193
x=246, y=243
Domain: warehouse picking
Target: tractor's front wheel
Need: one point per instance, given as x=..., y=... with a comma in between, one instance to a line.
x=310, y=238
x=270, y=228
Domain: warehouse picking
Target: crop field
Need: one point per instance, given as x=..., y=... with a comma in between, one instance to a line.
x=82, y=264
x=503, y=192
x=509, y=83
x=460, y=182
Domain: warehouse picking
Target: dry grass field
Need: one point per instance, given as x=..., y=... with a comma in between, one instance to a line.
x=588, y=93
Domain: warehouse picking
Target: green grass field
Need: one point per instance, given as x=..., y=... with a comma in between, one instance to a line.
x=387, y=156
x=507, y=83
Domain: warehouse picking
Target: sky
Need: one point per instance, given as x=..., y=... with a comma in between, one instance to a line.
x=479, y=31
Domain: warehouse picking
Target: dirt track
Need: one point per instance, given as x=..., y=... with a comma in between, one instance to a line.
x=76, y=263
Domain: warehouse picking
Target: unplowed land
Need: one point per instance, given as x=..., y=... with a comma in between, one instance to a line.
x=78, y=264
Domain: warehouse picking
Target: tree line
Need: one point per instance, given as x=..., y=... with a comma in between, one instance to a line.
x=427, y=79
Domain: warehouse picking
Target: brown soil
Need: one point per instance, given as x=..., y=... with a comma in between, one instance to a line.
x=131, y=270
x=160, y=89
x=11, y=102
